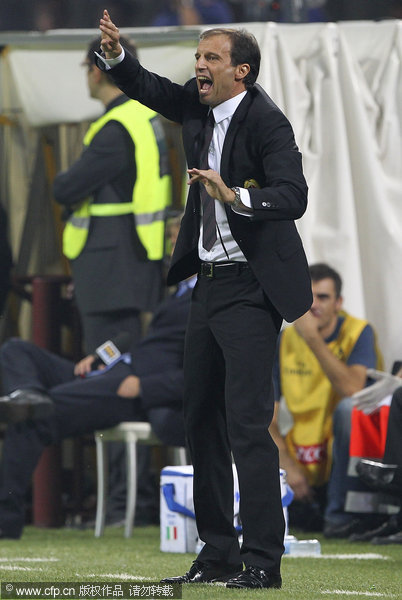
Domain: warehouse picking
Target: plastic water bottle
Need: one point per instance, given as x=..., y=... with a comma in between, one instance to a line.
x=287, y=542
x=295, y=547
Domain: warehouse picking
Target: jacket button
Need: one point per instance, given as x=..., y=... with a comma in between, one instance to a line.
x=264, y=203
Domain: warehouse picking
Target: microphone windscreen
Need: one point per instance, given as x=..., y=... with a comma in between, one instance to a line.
x=112, y=349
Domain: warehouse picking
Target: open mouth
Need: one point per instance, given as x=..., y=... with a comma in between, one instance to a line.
x=204, y=83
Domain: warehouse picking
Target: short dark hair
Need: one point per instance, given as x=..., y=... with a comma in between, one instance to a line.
x=244, y=49
x=95, y=46
x=321, y=271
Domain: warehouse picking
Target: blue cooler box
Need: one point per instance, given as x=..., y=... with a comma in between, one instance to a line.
x=177, y=519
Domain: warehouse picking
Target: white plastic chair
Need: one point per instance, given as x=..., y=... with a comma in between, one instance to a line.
x=130, y=433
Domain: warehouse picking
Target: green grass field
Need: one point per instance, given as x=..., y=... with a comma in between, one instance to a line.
x=54, y=555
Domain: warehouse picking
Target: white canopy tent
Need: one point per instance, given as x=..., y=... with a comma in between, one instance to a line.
x=339, y=84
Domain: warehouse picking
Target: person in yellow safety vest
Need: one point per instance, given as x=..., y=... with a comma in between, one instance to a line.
x=322, y=360
x=115, y=196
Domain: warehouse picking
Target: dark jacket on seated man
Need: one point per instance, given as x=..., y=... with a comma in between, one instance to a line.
x=386, y=476
x=85, y=404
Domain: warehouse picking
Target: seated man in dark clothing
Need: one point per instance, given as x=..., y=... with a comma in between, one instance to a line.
x=150, y=389
x=386, y=476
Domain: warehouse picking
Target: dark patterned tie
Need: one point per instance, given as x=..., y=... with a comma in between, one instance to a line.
x=208, y=203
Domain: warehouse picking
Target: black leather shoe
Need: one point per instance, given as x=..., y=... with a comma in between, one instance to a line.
x=376, y=474
x=255, y=578
x=202, y=573
x=21, y=405
x=395, y=538
x=388, y=528
x=345, y=530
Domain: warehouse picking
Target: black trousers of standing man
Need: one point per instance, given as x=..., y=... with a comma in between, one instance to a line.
x=229, y=353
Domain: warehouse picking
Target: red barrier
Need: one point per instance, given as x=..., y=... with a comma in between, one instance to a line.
x=46, y=333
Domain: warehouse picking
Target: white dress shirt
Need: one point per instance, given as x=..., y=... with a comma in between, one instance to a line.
x=225, y=247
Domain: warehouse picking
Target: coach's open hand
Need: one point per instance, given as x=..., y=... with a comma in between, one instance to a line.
x=110, y=37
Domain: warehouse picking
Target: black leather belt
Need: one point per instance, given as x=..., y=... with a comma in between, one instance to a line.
x=220, y=269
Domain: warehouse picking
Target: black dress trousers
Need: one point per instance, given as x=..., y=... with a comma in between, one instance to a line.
x=229, y=353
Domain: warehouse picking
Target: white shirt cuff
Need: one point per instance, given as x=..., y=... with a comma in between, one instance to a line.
x=111, y=62
x=245, y=198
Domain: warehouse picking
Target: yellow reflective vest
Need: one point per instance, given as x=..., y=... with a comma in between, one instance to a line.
x=151, y=192
x=311, y=398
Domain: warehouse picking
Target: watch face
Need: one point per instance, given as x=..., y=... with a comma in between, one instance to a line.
x=237, y=199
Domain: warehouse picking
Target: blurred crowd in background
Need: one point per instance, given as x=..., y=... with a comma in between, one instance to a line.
x=42, y=15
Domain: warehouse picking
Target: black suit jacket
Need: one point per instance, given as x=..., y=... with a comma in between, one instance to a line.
x=259, y=145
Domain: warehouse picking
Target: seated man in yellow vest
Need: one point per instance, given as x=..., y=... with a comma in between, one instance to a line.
x=322, y=360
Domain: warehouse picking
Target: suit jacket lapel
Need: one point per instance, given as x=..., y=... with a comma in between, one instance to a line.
x=192, y=135
x=192, y=139
x=238, y=117
x=196, y=128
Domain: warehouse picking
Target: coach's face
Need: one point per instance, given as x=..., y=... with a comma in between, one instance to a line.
x=217, y=79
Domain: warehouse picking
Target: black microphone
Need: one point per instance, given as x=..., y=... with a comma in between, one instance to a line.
x=111, y=350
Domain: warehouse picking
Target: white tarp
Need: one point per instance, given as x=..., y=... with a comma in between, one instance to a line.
x=52, y=85
x=341, y=87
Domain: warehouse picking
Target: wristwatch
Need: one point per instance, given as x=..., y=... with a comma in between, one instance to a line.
x=237, y=203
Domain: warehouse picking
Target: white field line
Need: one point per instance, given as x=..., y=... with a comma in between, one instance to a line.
x=26, y=559
x=365, y=556
x=15, y=568
x=352, y=593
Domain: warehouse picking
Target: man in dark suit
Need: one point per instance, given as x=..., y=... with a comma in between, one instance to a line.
x=149, y=389
x=248, y=188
